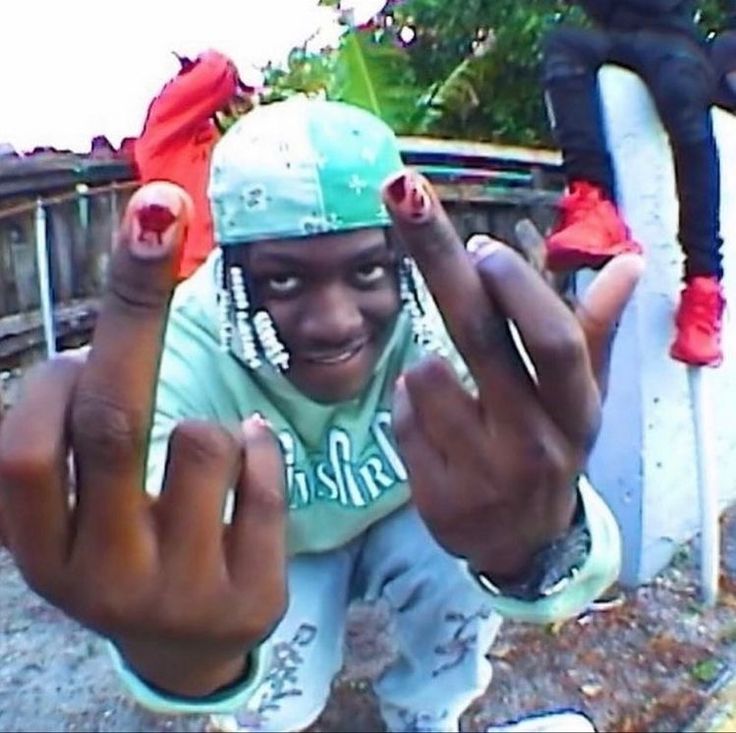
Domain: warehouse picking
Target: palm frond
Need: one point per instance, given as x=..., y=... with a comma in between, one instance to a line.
x=372, y=72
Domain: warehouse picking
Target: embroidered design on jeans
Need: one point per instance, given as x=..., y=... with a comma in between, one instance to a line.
x=463, y=639
x=282, y=679
x=417, y=722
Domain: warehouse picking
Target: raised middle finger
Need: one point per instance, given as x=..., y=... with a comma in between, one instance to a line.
x=114, y=397
x=477, y=327
x=551, y=336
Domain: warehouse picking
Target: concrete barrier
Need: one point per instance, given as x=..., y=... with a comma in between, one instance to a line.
x=644, y=463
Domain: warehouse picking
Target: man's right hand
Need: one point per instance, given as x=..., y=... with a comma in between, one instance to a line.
x=183, y=596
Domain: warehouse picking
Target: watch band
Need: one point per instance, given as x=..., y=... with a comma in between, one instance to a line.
x=552, y=567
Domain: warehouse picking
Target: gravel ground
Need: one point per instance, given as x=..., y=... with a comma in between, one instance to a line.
x=648, y=665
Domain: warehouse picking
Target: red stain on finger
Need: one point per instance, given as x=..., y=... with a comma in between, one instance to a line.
x=409, y=197
x=154, y=219
x=419, y=204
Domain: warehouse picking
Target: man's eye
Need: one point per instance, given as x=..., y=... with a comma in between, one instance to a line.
x=283, y=284
x=370, y=274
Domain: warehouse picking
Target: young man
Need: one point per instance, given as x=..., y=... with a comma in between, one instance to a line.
x=182, y=126
x=658, y=40
x=305, y=383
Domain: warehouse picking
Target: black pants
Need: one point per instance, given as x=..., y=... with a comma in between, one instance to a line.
x=726, y=97
x=682, y=83
x=723, y=56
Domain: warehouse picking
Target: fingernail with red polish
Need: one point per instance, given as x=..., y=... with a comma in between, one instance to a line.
x=409, y=197
x=156, y=223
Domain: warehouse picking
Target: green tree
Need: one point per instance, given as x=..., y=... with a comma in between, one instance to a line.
x=470, y=71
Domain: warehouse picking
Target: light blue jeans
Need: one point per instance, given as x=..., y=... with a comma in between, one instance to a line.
x=442, y=620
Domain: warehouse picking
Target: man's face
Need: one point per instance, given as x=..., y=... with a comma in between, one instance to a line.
x=333, y=299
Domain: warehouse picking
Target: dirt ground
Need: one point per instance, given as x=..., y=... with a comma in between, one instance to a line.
x=648, y=665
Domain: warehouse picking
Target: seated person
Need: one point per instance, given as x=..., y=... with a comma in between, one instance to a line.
x=658, y=40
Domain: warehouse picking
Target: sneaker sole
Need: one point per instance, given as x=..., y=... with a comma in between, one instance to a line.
x=691, y=360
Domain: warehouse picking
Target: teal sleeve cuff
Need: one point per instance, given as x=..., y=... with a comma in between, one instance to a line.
x=225, y=701
x=598, y=572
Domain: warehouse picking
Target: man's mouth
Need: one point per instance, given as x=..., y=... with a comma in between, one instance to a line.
x=331, y=357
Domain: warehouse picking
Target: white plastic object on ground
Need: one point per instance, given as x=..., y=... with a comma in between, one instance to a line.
x=564, y=721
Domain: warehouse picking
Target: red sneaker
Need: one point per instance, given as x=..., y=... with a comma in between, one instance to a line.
x=589, y=233
x=698, y=323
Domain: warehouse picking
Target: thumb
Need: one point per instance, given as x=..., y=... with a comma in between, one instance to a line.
x=600, y=309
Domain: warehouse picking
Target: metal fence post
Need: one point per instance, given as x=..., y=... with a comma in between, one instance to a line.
x=44, y=281
x=114, y=214
x=83, y=204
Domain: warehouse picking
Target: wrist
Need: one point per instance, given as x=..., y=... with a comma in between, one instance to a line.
x=555, y=564
x=183, y=673
x=519, y=557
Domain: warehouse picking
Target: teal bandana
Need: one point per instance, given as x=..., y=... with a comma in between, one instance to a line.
x=299, y=168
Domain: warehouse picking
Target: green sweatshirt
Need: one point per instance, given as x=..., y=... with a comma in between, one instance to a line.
x=343, y=471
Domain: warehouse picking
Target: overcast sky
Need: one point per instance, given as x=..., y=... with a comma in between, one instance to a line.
x=71, y=69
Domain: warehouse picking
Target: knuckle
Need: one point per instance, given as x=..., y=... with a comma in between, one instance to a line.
x=591, y=426
x=268, y=502
x=105, y=605
x=29, y=463
x=564, y=347
x=266, y=614
x=262, y=443
x=43, y=581
x=182, y=618
x=202, y=443
x=488, y=336
x=105, y=430
x=131, y=295
x=545, y=461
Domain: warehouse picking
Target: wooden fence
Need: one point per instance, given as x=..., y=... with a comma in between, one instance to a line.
x=74, y=205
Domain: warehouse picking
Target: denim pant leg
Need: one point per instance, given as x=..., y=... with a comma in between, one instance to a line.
x=307, y=646
x=442, y=620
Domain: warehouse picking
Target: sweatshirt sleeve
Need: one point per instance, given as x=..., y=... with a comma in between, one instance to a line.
x=598, y=572
x=188, y=101
x=224, y=701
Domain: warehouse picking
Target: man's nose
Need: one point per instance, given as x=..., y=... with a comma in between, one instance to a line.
x=332, y=315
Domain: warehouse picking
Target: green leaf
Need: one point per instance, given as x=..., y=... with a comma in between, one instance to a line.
x=452, y=100
x=373, y=73
x=707, y=670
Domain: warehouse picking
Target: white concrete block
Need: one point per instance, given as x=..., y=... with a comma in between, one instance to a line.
x=644, y=462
